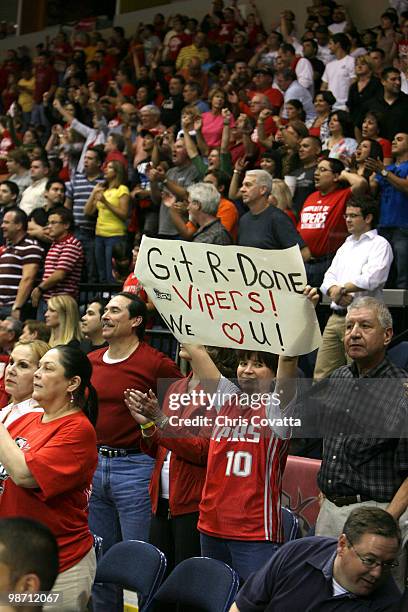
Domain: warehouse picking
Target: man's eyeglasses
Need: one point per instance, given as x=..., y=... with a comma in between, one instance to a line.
x=54, y=222
x=371, y=563
x=352, y=216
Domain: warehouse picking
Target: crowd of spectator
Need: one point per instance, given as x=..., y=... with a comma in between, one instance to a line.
x=225, y=131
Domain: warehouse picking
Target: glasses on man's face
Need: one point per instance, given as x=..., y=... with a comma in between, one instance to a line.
x=54, y=222
x=372, y=563
x=352, y=215
x=323, y=169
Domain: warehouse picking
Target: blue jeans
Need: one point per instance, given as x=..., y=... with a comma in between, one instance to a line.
x=398, y=238
x=87, y=239
x=119, y=509
x=103, y=254
x=243, y=556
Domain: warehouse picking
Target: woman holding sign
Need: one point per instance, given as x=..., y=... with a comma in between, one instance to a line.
x=240, y=511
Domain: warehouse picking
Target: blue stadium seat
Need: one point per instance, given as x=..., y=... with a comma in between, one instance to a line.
x=290, y=525
x=135, y=566
x=200, y=582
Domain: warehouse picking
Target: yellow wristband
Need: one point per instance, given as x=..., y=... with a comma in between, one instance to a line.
x=147, y=425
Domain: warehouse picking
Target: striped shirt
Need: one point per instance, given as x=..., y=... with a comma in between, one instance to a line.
x=66, y=254
x=78, y=190
x=12, y=259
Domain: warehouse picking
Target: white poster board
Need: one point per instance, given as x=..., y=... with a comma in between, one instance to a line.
x=237, y=297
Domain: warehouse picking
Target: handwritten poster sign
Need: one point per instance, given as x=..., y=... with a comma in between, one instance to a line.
x=238, y=297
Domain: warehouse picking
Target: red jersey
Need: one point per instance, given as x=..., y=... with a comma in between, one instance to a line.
x=62, y=457
x=242, y=492
x=321, y=224
x=142, y=370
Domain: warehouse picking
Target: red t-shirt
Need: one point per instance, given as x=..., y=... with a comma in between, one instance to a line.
x=321, y=224
x=62, y=457
x=242, y=492
x=143, y=370
x=386, y=147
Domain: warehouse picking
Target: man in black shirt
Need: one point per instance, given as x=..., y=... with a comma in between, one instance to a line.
x=391, y=103
x=265, y=226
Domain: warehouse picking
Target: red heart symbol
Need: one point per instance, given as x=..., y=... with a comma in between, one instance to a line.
x=231, y=327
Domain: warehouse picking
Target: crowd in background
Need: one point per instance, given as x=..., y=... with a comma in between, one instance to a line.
x=225, y=130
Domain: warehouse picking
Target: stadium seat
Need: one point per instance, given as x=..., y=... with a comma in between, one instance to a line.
x=135, y=566
x=200, y=582
x=290, y=525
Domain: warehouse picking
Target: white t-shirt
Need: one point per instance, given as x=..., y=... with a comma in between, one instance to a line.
x=165, y=477
x=339, y=75
x=11, y=413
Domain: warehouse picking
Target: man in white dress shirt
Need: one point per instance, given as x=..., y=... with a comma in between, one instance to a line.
x=360, y=267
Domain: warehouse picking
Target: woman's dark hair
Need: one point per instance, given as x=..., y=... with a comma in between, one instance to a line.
x=347, y=126
x=377, y=116
x=299, y=106
x=376, y=150
x=269, y=359
x=276, y=157
x=76, y=363
x=327, y=97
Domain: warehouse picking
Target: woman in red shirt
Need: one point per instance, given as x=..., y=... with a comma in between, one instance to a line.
x=48, y=461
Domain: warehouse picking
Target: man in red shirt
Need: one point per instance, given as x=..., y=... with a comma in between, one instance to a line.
x=262, y=84
x=120, y=506
x=322, y=225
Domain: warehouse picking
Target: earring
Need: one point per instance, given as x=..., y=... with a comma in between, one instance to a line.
x=72, y=398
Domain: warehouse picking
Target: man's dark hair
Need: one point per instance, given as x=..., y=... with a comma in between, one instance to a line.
x=322, y=29
x=287, y=48
x=40, y=328
x=372, y=520
x=343, y=40
x=99, y=152
x=288, y=74
x=12, y=186
x=20, y=157
x=118, y=140
x=19, y=216
x=28, y=547
x=43, y=159
x=119, y=30
x=136, y=308
x=367, y=205
x=316, y=140
x=65, y=215
x=51, y=182
x=102, y=303
x=279, y=35
x=179, y=78
x=223, y=180
x=196, y=86
x=336, y=165
x=313, y=43
x=388, y=70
